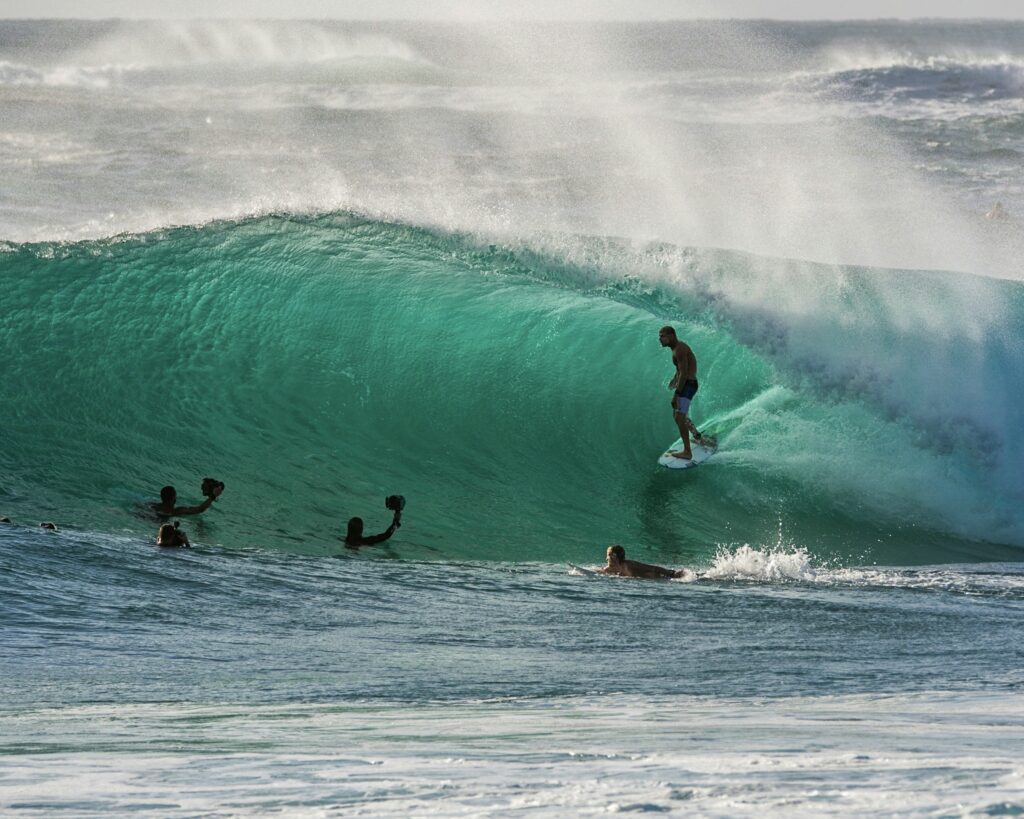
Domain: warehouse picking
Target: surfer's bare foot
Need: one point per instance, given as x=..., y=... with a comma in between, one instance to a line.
x=686, y=456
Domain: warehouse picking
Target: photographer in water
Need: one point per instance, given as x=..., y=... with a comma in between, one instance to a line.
x=168, y=504
x=354, y=537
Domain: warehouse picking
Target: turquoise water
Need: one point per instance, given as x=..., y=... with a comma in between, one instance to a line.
x=517, y=399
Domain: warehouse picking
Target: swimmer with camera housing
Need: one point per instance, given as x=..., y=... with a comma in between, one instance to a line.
x=167, y=506
x=354, y=537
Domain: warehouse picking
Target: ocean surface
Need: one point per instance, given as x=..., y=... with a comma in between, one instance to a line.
x=330, y=262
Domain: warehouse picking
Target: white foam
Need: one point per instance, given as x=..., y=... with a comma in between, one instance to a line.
x=789, y=563
x=749, y=563
x=62, y=76
x=872, y=755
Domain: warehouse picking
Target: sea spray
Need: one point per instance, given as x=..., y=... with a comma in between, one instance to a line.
x=749, y=563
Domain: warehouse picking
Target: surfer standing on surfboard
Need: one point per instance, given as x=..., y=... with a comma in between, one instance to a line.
x=683, y=386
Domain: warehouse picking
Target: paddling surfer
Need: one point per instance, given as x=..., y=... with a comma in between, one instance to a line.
x=617, y=564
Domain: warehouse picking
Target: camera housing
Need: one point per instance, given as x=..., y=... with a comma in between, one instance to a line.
x=394, y=502
x=212, y=487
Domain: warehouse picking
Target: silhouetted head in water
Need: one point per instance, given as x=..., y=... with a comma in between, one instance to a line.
x=355, y=531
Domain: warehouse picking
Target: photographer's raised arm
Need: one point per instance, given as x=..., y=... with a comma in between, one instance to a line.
x=193, y=510
x=374, y=539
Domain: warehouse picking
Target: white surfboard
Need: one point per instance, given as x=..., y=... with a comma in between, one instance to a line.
x=583, y=570
x=700, y=454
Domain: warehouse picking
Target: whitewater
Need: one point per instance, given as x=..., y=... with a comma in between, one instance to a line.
x=329, y=262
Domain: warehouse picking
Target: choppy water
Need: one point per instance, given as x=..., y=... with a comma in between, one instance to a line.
x=330, y=262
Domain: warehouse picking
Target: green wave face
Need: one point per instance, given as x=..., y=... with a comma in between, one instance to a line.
x=517, y=399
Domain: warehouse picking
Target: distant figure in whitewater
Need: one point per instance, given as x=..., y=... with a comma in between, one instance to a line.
x=618, y=565
x=684, y=387
x=998, y=213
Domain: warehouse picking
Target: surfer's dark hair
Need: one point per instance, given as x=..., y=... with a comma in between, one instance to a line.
x=618, y=551
x=668, y=328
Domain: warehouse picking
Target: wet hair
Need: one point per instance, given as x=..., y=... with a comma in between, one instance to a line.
x=355, y=529
x=5, y=520
x=167, y=535
x=168, y=494
x=617, y=551
x=668, y=328
x=52, y=527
